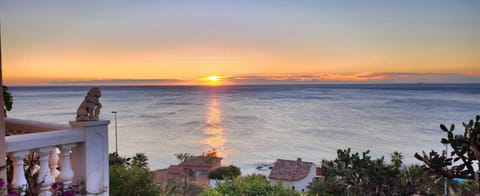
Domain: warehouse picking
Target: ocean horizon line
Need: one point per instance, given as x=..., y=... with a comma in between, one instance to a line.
x=240, y=85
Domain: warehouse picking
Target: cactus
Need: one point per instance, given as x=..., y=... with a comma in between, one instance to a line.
x=465, y=150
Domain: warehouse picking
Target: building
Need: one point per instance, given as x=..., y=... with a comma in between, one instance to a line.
x=195, y=169
x=160, y=177
x=292, y=174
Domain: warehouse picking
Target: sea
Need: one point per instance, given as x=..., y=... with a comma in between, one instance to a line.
x=252, y=126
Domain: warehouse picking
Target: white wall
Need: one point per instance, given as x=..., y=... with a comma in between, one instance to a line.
x=213, y=182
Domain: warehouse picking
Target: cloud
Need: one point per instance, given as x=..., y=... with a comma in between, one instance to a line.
x=397, y=77
x=113, y=82
x=367, y=77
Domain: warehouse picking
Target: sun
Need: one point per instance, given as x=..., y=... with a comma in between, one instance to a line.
x=213, y=80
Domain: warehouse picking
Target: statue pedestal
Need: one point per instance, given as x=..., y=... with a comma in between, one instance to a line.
x=92, y=160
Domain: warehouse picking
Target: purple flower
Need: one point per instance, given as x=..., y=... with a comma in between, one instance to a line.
x=57, y=185
x=54, y=186
x=2, y=183
x=69, y=193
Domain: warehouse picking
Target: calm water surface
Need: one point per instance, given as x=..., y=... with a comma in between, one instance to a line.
x=252, y=125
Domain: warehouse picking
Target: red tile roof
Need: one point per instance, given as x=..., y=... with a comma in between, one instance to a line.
x=199, y=161
x=290, y=170
x=174, y=169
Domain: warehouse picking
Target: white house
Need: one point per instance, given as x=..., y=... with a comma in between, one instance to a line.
x=292, y=174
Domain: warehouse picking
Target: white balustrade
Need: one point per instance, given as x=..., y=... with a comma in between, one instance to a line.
x=45, y=179
x=83, y=155
x=66, y=173
x=53, y=163
x=19, y=181
x=20, y=126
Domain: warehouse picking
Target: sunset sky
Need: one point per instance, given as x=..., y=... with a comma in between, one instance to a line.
x=243, y=42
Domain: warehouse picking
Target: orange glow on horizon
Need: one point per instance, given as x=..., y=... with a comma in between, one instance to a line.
x=216, y=80
x=186, y=64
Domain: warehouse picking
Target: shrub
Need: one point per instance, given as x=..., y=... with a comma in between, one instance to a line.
x=181, y=187
x=357, y=174
x=132, y=181
x=251, y=185
x=221, y=173
x=462, y=160
x=131, y=176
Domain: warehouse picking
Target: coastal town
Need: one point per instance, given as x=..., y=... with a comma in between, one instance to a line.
x=291, y=174
x=240, y=98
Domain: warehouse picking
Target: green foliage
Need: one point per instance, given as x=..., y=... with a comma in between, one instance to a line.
x=115, y=160
x=168, y=188
x=221, y=173
x=360, y=174
x=7, y=100
x=251, y=185
x=329, y=186
x=415, y=179
x=465, y=150
x=140, y=160
x=131, y=176
x=181, y=187
x=467, y=187
x=212, y=153
x=132, y=181
x=182, y=157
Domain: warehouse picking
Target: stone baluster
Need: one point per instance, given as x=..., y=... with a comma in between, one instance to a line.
x=19, y=182
x=53, y=163
x=45, y=179
x=66, y=171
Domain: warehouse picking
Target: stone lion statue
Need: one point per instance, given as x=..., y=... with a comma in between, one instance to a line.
x=89, y=109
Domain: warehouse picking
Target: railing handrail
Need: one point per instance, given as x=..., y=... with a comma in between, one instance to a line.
x=83, y=155
x=32, y=125
x=43, y=139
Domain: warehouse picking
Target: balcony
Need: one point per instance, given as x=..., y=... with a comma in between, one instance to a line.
x=74, y=154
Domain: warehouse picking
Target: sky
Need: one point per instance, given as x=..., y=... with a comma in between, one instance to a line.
x=242, y=42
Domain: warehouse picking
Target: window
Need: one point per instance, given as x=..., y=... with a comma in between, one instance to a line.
x=202, y=173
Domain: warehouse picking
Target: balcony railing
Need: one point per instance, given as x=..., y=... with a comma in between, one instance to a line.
x=72, y=154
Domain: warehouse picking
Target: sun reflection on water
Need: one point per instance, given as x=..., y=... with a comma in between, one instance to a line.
x=214, y=128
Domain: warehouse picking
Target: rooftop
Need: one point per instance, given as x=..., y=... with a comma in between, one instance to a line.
x=200, y=161
x=290, y=170
x=174, y=169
